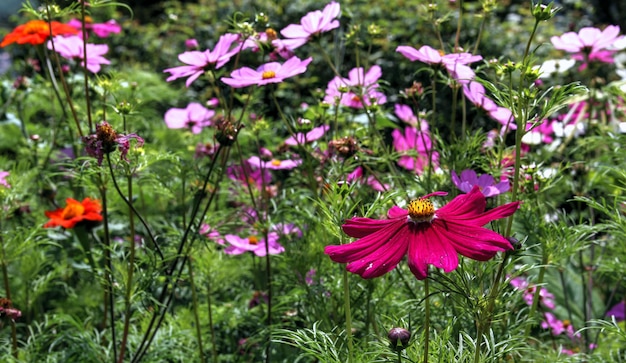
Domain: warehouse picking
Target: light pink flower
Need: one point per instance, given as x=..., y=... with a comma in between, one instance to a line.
x=414, y=148
x=249, y=175
x=427, y=236
x=476, y=94
x=255, y=244
x=72, y=47
x=198, y=62
x=545, y=297
x=3, y=179
x=455, y=63
x=590, y=44
x=485, y=182
x=302, y=138
x=102, y=30
x=194, y=117
x=359, y=89
x=357, y=176
x=272, y=72
x=311, y=24
x=405, y=114
x=274, y=164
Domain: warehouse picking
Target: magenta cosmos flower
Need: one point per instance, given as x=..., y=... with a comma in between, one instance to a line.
x=194, y=117
x=455, y=63
x=238, y=245
x=198, y=62
x=590, y=44
x=485, y=183
x=311, y=24
x=356, y=91
x=272, y=72
x=102, y=30
x=72, y=47
x=427, y=236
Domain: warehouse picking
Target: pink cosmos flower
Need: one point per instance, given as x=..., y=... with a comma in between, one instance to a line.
x=414, y=148
x=301, y=138
x=542, y=133
x=194, y=117
x=427, y=236
x=557, y=326
x=72, y=47
x=311, y=24
x=248, y=175
x=211, y=233
x=455, y=63
x=3, y=179
x=102, y=30
x=274, y=164
x=357, y=176
x=405, y=114
x=545, y=297
x=476, y=94
x=198, y=62
x=272, y=72
x=485, y=183
x=358, y=89
x=590, y=44
x=254, y=244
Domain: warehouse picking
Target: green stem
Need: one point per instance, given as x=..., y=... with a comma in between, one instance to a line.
x=85, y=70
x=108, y=264
x=194, y=298
x=213, y=344
x=7, y=290
x=533, y=307
x=426, y=319
x=346, y=306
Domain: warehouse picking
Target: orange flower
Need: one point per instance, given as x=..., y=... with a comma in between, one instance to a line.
x=36, y=32
x=74, y=212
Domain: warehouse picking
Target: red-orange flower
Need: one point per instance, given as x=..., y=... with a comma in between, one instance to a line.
x=74, y=212
x=36, y=32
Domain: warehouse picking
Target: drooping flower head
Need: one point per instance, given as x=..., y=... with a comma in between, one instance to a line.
x=102, y=30
x=311, y=24
x=198, y=62
x=72, y=47
x=36, y=32
x=106, y=140
x=428, y=236
x=195, y=117
x=476, y=94
x=272, y=72
x=455, y=63
x=358, y=90
x=75, y=212
x=485, y=183
x=590, y=44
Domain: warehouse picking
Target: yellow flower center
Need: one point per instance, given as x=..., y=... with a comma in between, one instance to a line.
x=253, y=240
x=441, y=52
x=35, y=27
x=421, y=210
x=271, y=34
x=88, y=19
x=276, y=162
x=268, y=74
x=72, y=210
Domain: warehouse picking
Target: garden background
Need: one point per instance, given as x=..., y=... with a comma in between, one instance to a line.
x=240, y=181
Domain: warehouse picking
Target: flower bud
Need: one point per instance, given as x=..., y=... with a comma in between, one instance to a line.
x=399, y=338
x=543, y=12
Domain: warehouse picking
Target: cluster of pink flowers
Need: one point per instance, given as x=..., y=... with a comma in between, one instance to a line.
x=591, y=44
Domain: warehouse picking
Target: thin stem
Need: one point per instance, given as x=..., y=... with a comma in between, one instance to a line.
x=346, y=306
x=213, y=344
x=426, y=319
x=533, y=307
x=458, y=27
x=85, y=70
x=480, y=32
x=7, y=290
x=268, y=271
x=194, y=299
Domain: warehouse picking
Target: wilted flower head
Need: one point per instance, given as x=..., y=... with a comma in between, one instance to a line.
x=7, y=310
x=106, y=139
x=73, y=48
x=358, y=90
x=75, y=212
x=36, y=32
x=485, y=183
x=427, y=235
x=399, y=338
x=311, y=24
x=272, y=72
x=194, y=117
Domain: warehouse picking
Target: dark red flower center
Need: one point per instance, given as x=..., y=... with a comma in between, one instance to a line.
x=421, y=210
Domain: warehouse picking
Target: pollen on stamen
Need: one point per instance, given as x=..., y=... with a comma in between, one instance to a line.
x=253, y=240
x=421, y=210
x=268, y=74
x=276, y=162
